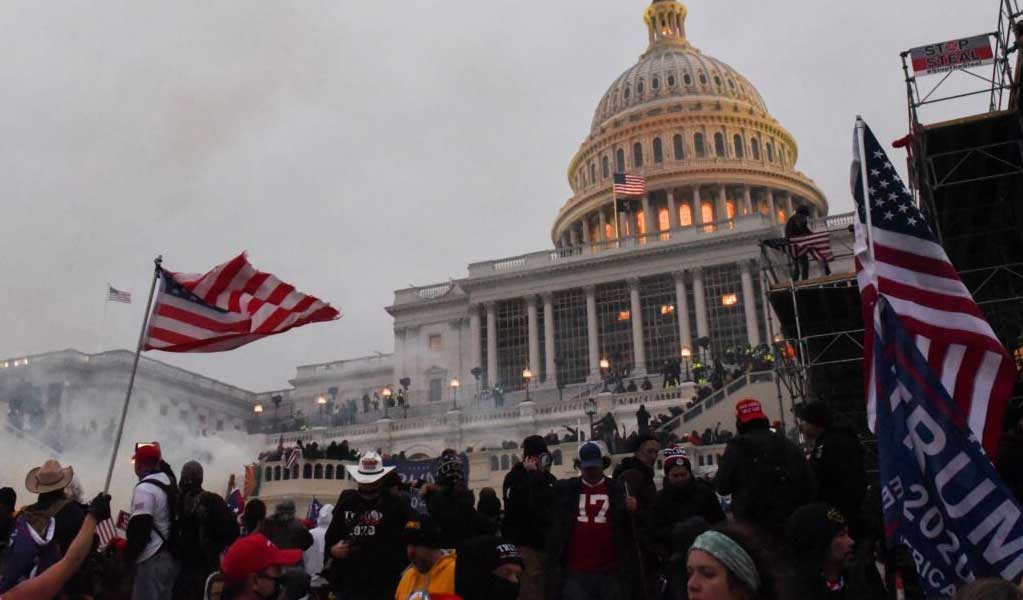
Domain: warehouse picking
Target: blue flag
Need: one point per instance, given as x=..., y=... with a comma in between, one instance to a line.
x=941, y=495
x=314, y=510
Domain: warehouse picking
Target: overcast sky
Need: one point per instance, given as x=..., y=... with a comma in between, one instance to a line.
x=353, y=149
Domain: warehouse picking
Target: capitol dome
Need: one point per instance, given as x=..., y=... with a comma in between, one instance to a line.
x=697, y=130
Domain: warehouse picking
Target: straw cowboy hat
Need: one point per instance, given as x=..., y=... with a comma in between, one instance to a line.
x=48, y=478
x=369, y=469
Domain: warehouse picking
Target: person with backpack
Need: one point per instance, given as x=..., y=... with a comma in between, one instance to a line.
x=288, y=533
x=43, y=531
x=765, y=474
x=206, y=526
x=152, y=531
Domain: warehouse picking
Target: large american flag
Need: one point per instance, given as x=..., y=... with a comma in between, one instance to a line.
x=911, y=270
x=230, y=306
x=814, y=245
x=626, y=185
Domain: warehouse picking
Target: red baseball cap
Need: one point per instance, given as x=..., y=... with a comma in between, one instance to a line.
x=147, y=454
x=749, y=410
x=253, y=553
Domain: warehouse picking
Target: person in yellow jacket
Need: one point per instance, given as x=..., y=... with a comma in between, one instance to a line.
x=432, y=570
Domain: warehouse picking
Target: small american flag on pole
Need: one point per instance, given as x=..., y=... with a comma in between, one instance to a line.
x=626, y=185
x=230, y=306
x=116, y=295
x=814, y=245
x=294, y=455
x=898, y=258
x=106, y=531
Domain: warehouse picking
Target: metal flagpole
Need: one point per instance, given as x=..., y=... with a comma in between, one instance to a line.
x=131, y=380
x=618, y=242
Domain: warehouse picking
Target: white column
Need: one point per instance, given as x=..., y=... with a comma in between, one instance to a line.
x=648, y=219
x=534, y=335
x=564, y=239
x=722, y=205
x=587, y=239
x=747, y=199
x=399, y=352
x=548, y=340
x=573, y=236
x=771, y=208
x=636, y=314
x=788, y=204
x=685, y=333
x=672, y=210
x=700, y=303
x=491, y=344
x=602, y=233
x=591, y=332
x=749, y=304
x=475, y=336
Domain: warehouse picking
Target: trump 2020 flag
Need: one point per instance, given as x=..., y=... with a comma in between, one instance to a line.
x=228, y=307
x=941, y=495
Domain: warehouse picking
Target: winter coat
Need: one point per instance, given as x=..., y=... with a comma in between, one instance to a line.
x=286, y=532
x=565, y=516
x=206, y=527
x=528, y=498
x=837, y=464
x=313, y=557
x=1010, y=457
x=797, y=225
x=42, y=534
x=452, y=510
x=676, y=503
x=373, y=529
x=637, y=480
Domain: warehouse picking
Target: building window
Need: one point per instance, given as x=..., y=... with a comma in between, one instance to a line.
x=436, y=389
x=277, y=473
x=726, y=316
x=719, y=145
x=754, y=146
x=637, y=155
x=717, y=81
x=685, y=214
x=571, y=344
x=605, y=167
x=730, y=208
x=593, y=172
x=628, y=92
x=658, y=151
x=701, y=150
x=655, y=83
x=609, y=231
x=680, y=152
x=268, y=474
x=615, y=334
x=318, y=471
x=435, y=341
x=328, y=472
x=294, y=472
x=781, y=216
x=639, y=87
x=703, y=78
x=512, y=342
x=707, y=212
x=737, y=142
x=287, y=473
x=770, y=152
x=660, y=325
x=687, y=79
x=620, y=160
x=671, y=81
x=307, y=471
x=663, y=219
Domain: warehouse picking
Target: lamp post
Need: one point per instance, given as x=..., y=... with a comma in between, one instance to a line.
x=527, y=376
x=605, y=369
x=322, y=402
x=687, y=354
x=386, y=393
x=454, y=392
x=591, y=409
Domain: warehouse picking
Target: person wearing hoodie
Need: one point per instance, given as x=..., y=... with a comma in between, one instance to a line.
x=431, y=570
x=313, y=557
x=528, y=494
x=44, y=530
x=821, y=551
x=205, y=524
x=450, y=504
x=488, y=568
x=682, y=497
x=836, y=459
x=287, y=533
x=8, y=504
x=636, y=475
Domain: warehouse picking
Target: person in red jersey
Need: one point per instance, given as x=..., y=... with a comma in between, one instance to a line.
x=591, y=550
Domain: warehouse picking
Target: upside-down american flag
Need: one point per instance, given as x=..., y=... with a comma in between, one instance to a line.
x=626, y=185
x=911, y=270
x=815, y=245
x=230, y=306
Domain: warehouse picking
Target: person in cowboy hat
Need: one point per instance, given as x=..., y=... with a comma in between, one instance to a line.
x=44, y=530
x=366, y=553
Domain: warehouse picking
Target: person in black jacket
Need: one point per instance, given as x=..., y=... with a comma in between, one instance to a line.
x=797, y=225
x=766, y=474
x=287, y=533
x=450, y=504
x=636, y=476
x=836, y=459
x=821, y=552
x=682, y=497
x=366, y=554
x=528, y=494
x=205, y=524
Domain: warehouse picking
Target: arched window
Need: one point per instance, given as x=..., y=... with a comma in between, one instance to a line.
x=754, y=146
x=707, y=211
x=663, y=219
x=719, y=144
x=294, y=472
x=730, y=208
x=781, y=155
x=277, y=473
x=639, y=87
x=640, y=223
x=318, y=471
x=737, y=142
x=268, y=474
x=658, y=151
x=605, y=167
x=671, y=81
x=717, y=81
x=505, y=463
x=609, y=231
x=680, y=151
x=328, y=473
x=637, y=155
x=593, y=172
x=655, y=83
x=685, y=214
x=701, y=150
x=495, y=463
x=770, y=152
x=307, y=471
x=620, y=161
x=703, y=78
x=628, y=91
x=286, y=473
x=687, y=79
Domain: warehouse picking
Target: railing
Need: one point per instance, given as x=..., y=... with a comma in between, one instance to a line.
x=730, y=388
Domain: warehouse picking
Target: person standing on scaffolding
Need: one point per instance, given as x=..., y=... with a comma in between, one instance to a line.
x=798, y=226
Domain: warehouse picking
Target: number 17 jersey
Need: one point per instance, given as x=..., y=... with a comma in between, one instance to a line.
x=591, y=548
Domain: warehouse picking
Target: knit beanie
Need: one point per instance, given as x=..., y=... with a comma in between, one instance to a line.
x=534, y=445
x=811, y=528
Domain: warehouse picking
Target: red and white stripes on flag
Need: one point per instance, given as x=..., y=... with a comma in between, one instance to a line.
x=814, y=245
x=106, y=531
x=116, y=295
x=911, y=270
x=626, y=185
x=294, y=455
x=230, y=306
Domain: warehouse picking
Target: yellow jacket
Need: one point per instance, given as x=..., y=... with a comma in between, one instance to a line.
x=440, y=579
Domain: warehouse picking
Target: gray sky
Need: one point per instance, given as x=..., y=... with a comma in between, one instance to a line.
x=353, y=150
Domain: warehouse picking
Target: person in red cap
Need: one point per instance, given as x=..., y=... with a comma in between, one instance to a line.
x=253, y=568
x=149, y=528
x=766, y=474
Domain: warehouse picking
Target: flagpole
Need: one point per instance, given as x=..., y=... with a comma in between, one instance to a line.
x=131, y=379
x=618, y=241
x=863, y=178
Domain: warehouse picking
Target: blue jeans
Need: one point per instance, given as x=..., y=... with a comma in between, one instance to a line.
x=154, y=578
x=590, y=586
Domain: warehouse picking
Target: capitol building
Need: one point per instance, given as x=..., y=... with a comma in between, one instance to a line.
x=522, y=344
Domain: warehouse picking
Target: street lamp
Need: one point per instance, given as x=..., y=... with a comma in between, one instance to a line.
x=527, y=376
x=258, y=409
x=687, y=354
x=322, y=402
x=605, y=368
x=591, y=409
x=386, y=393
x=454, y=392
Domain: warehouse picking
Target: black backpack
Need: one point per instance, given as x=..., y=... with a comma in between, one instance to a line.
x=172, y=542
x=774, y=494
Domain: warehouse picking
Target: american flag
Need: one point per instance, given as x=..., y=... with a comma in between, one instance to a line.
x=814, y=245
x=294, y=455
x=116, y=295
x=106, y=531
x=230, y=306
x=911, y=270
x=629, y=185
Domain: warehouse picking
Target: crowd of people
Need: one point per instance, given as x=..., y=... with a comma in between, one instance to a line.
x=778, y=520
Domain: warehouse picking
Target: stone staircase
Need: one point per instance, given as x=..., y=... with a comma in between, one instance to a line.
x=719, y=407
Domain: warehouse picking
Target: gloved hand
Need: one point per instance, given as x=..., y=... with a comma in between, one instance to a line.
x=99, y=508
